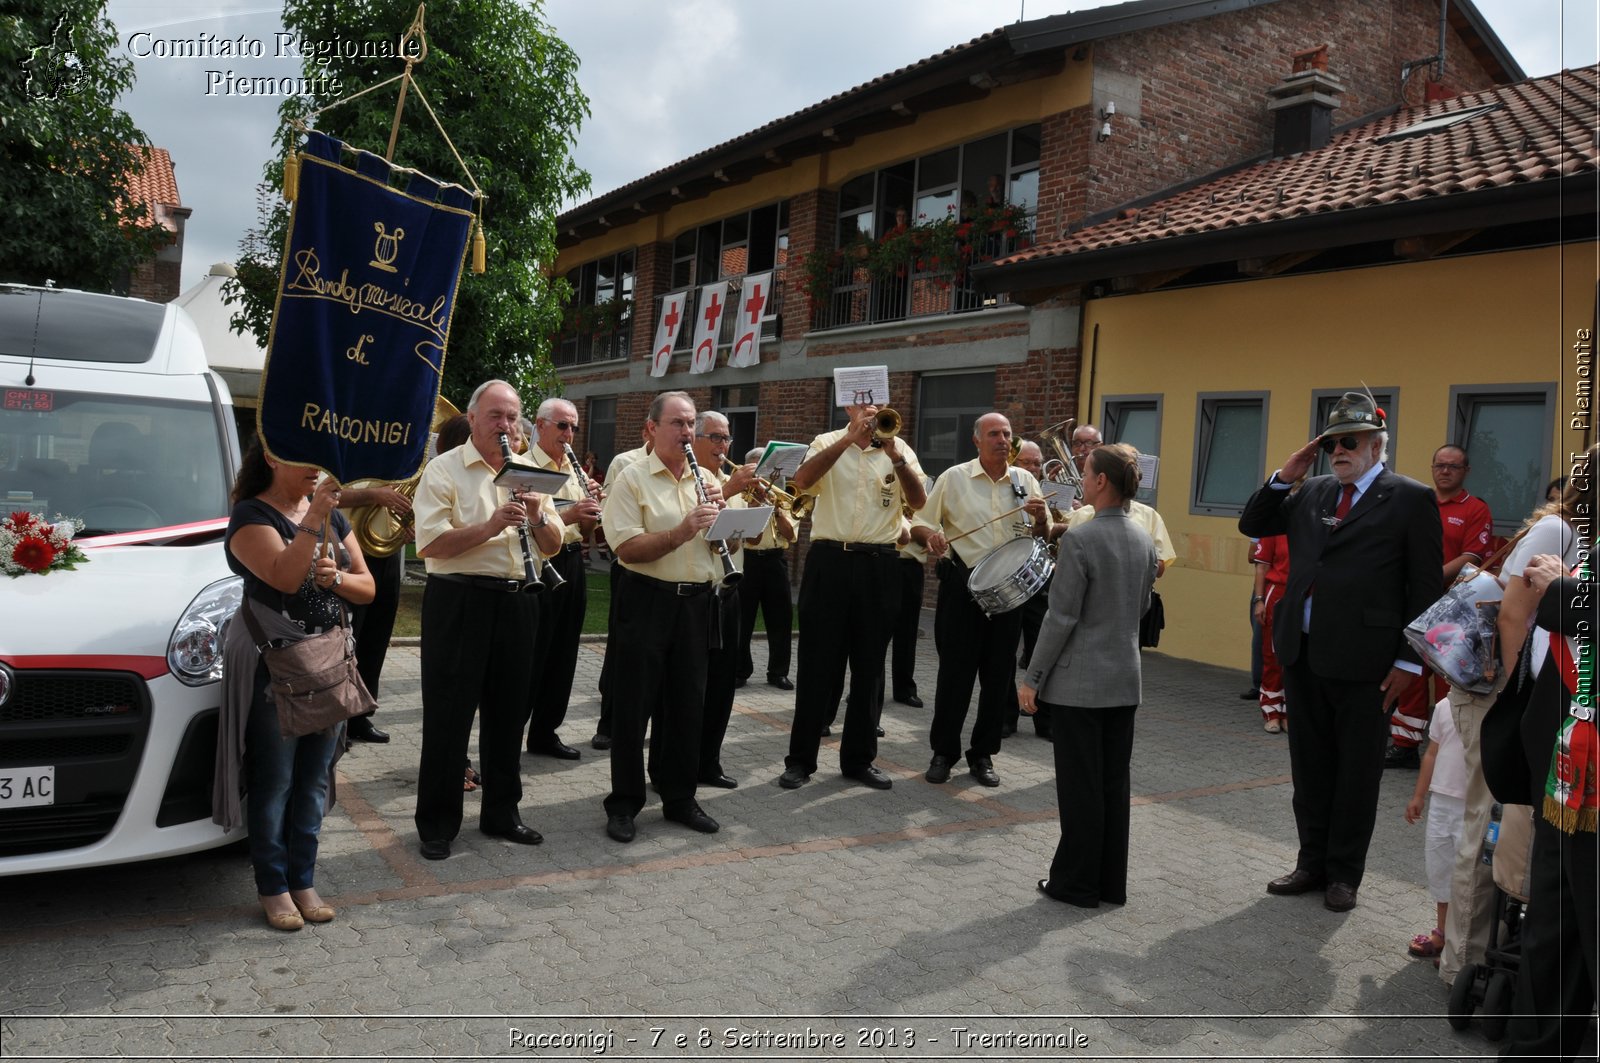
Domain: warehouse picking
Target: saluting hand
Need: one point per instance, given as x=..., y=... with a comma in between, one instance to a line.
x=1299, y=463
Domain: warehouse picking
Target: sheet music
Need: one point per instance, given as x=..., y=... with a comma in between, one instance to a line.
x=781, y=459
x=733, y=523
x=862, y=385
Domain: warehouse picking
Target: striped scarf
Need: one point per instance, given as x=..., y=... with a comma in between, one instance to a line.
x=1571, y=801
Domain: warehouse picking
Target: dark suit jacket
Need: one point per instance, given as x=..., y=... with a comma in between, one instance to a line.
x=1369, y=577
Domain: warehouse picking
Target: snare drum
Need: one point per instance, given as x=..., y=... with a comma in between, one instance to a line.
x=1010, y=575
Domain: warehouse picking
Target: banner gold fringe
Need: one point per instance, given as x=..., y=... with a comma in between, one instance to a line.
x=1568, y=819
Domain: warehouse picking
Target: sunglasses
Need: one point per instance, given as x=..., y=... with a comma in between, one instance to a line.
x=1329, y=443
x=565, y=426
x=715, y=437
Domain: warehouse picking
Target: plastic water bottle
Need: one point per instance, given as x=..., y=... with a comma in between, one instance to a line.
x=1491, y=836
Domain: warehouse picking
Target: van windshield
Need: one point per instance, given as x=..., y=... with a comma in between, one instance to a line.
x=116, y=462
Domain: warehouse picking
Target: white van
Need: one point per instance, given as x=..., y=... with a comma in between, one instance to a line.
x=110, y=672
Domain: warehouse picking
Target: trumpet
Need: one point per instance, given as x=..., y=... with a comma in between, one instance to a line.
x=885, y=425
x=730, y=573
x=533, y=583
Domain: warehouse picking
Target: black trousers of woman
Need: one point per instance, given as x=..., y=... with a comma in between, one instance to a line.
x=1093, y=751
x=1556, y=978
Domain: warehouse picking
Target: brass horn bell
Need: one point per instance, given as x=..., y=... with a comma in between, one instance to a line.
x=379, y=531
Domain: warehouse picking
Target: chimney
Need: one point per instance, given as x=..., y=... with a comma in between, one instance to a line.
x=1303, y=103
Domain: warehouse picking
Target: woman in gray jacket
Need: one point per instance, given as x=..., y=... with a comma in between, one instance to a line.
x=1085, y=670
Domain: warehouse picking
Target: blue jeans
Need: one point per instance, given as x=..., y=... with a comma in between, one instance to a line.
x=286, y=790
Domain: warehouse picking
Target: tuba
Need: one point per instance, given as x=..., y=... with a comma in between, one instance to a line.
x=379, y=531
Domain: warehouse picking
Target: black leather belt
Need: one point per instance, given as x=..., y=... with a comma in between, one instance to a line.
x=485, y=583
x=572, y=548
x=887, y=549
x=681, y=590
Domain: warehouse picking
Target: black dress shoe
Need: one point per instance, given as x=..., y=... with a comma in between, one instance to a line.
x=793, y=778
x=870, y=775
x=1044, y=888
x=600, y=741
x=909, y=699
x=982, y=769
x=938, y=769
x=1296, y=881
x=517, y=832
x=554, y=747
x=692, y=816
x=877, y=732
x=1401, y=757
x=1250, y=695
x=1341, y=897
x=436, y=850
x=721, y=781
x=780, y=681
x=620, y=828
x=360, y=729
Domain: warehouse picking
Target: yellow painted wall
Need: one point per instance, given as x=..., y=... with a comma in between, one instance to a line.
x=1420, y=328
x=1005, y=108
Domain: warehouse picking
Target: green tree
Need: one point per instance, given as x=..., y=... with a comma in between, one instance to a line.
x=69, y=152
x=505, y=89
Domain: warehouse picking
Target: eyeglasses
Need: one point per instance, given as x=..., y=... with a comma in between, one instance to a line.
x=715, y=437
x=1081, y=444
x=565, y=426
x=1329, y=443
x=1447, y=466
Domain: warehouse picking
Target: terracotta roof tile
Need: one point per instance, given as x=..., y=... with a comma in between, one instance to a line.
x=1539, y=129
x=158, y=184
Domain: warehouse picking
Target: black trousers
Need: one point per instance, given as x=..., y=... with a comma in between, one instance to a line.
x=849, y=601
x=907, y=626
x=722, y=673
x=1093, y=753
x=373, y=623
x=766, y=587
x=1336, y=749
x=618, y=575
x=972, y=647
x=1032, y=614
x=474, y=660
x=664, y=676
x=555, y=649
x=1560, y=968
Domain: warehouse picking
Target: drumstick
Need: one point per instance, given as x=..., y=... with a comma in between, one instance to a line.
x=985, y=524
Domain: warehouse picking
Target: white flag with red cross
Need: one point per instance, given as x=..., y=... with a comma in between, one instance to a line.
x=708, y=326
x=667, y=333
x=754, y=300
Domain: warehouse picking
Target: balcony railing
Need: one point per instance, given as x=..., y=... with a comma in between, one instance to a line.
x=862, y=293
x=577, y=347
x=771, y=318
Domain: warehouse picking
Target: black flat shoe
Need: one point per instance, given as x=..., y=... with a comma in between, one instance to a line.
x=555, y=747
x=1295, y=882
x=518, y=833
x=694, y=817
x=782, y=682
x=909, y=699
x=620, y=828
x=437, y=850
x=870, y=775
x=720, y=781
x=793, y=778
x=982, y=769
x=360, y=729
x=600, y=741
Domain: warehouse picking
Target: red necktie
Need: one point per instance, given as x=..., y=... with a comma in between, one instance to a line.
x=1344, y=502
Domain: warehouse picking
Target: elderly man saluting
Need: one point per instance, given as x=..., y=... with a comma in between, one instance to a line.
x=1365, y=557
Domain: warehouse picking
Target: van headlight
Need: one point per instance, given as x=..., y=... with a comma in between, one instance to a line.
x=194, y=653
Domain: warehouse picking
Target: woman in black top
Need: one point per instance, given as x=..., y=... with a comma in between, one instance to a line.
x=279, y=522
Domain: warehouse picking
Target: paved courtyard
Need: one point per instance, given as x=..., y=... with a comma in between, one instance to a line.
x=829, y=922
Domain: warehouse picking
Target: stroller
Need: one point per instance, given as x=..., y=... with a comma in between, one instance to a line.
x=1488, y=985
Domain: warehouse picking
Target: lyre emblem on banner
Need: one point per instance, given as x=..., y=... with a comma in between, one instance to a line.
x=386, y=247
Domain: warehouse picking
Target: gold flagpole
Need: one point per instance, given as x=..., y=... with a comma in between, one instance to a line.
x=414, y=32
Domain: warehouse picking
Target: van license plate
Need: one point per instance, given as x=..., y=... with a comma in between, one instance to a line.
x=27, y=787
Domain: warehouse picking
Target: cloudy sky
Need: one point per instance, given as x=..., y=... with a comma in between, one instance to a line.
x=651, y=105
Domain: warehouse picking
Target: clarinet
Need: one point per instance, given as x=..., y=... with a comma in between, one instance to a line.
x=730, y=574
x=531, y=584
x=588, y=485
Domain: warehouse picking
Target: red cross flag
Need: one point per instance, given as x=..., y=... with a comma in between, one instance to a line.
x=667, y=333
x=754, y=303
x=708, y=326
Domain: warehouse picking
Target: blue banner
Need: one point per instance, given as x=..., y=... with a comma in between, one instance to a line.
x=362, y=319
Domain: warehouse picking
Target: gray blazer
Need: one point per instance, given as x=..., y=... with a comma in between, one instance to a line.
x=1088, y=649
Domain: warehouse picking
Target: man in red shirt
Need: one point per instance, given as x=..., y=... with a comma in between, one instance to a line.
x=1468, y=528
x=1271, y=559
